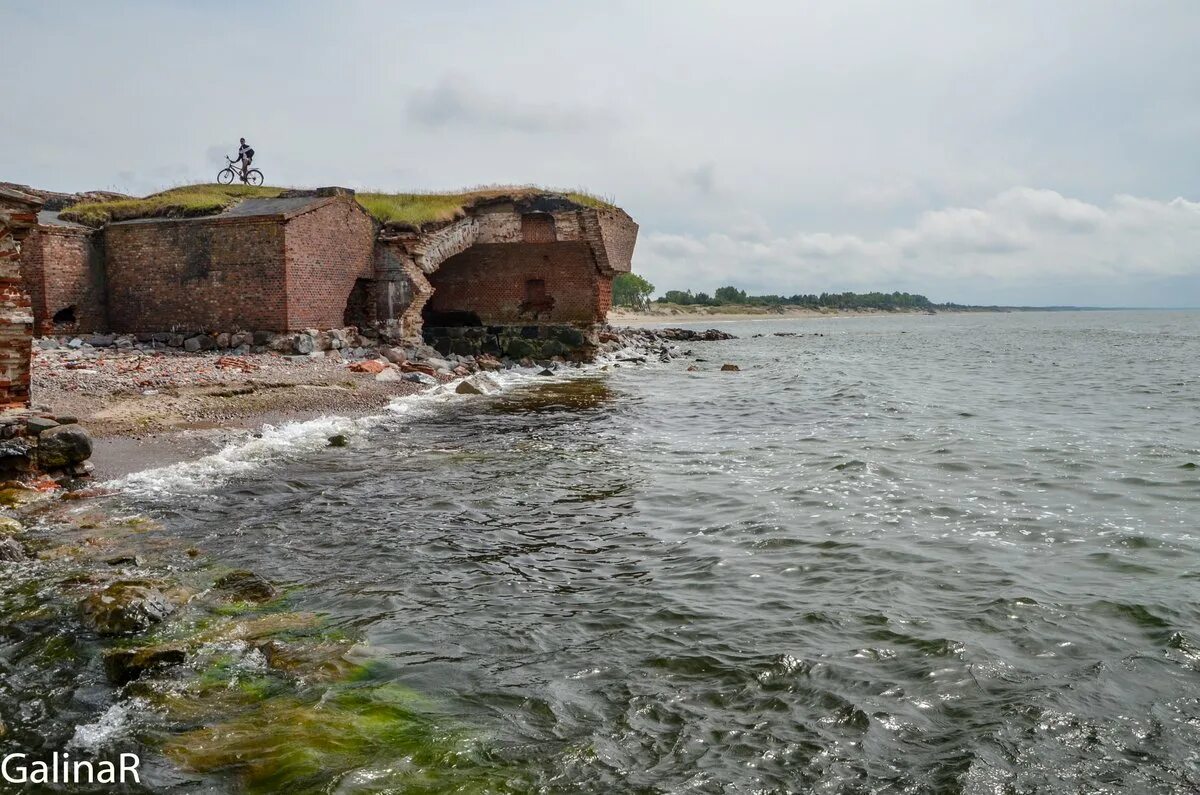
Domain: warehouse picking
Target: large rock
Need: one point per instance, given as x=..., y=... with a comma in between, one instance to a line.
x=10, y=526
x=63, y=446
x=245, y=586
x=394, y=355
x=124, y=608
x=304, y=344
x=478, y=384
x=125, y=665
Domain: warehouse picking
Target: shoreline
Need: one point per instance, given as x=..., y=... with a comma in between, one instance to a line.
x=655, y=316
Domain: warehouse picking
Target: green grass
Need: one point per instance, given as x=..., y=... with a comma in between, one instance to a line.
x=412, y=209
x=184, y=202
x=418, y=209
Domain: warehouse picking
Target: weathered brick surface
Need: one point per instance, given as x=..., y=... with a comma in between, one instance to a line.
x=196, y=274
x=63, y=269
x=18, y=214
x=327, y=250
x=492, y=281
x=271, y=273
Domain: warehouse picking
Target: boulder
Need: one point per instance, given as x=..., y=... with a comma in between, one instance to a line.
x=224, y=340
x=63, y=446
x=388, y=374
x=245, y=586
x=124, y=607
x=200, y=342
x=418, y=367
x=420, y=378
x=101, y=340
x=304, y=344
x=730, y=368
x=125, y=665
x=478, y=384
x=263, y=338
x=394, y=355
x=10, y=526
x=35, y=425
x=338, y=440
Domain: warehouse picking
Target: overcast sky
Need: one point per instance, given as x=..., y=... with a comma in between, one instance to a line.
x=1014, y=152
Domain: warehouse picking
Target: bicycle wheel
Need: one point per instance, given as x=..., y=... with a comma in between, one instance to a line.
x=254, y=177
x=226, y=176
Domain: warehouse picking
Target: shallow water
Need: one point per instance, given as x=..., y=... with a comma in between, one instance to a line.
x=910, y=554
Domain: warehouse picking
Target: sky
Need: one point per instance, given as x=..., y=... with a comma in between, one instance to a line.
x=1024, y=153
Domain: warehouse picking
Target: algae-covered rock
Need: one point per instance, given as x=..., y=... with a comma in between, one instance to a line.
x=125, y=665
x=124, y=608
x=62, y=446
x=245, y=586
x=10, y=526
x=314, y=661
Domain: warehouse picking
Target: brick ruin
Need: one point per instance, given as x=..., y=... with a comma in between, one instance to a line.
x=528, y=275
x=18, y=215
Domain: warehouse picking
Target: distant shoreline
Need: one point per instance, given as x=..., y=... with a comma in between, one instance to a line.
x=676, y=313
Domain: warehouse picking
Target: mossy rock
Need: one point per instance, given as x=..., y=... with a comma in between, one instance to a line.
x=519, y=348
x=124, y=608
x=245, y=586
x=10, y=526
x=125, y=665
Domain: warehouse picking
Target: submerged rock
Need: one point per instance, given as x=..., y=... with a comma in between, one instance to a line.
x=245, y=586
x=338, y=440
x=124, y=608
x=63, y=446
x=11, y=551
x=125, y=665
x=730, y=368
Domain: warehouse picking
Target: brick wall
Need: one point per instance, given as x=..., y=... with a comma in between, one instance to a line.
x=18, y=214
x=196, y=274
x=328, y=249
x=63, y=270
x=491, y=281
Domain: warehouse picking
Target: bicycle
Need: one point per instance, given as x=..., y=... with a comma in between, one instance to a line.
x=249, y=177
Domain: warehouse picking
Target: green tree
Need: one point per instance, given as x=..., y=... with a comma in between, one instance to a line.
x=729, y=295
x=631, y=290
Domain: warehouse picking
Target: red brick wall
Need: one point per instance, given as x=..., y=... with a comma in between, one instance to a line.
x=61, y=268
x=489, y=280
x=16, y=318
x=327, y=250
x=195, y=275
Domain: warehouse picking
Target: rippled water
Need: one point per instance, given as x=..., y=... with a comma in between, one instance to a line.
x=909, y=554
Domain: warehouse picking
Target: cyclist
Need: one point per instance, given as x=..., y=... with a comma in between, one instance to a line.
x=246, y=155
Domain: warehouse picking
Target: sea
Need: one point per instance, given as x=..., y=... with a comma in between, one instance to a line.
x=953, y=553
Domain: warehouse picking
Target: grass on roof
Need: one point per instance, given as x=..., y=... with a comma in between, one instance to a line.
x=418, y=209
x=185, y=202
x=413, y=209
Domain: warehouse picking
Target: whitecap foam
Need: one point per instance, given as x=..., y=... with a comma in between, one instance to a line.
x=254, y=452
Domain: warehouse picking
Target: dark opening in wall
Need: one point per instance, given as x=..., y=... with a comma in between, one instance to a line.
x=537, y=300
x=358, y=305
x=65, y=315
x=451, y=317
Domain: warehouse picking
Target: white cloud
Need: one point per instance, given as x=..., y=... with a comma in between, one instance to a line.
x=1020, y=240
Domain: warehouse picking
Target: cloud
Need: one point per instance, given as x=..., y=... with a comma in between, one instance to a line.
x=1019, y=240
x=456, y=102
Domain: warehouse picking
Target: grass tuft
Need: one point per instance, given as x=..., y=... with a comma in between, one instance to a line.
x=406, y=209
x=185, y=202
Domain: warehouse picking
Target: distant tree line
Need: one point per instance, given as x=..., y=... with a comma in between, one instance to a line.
x=631, y=290
x=724, y=296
